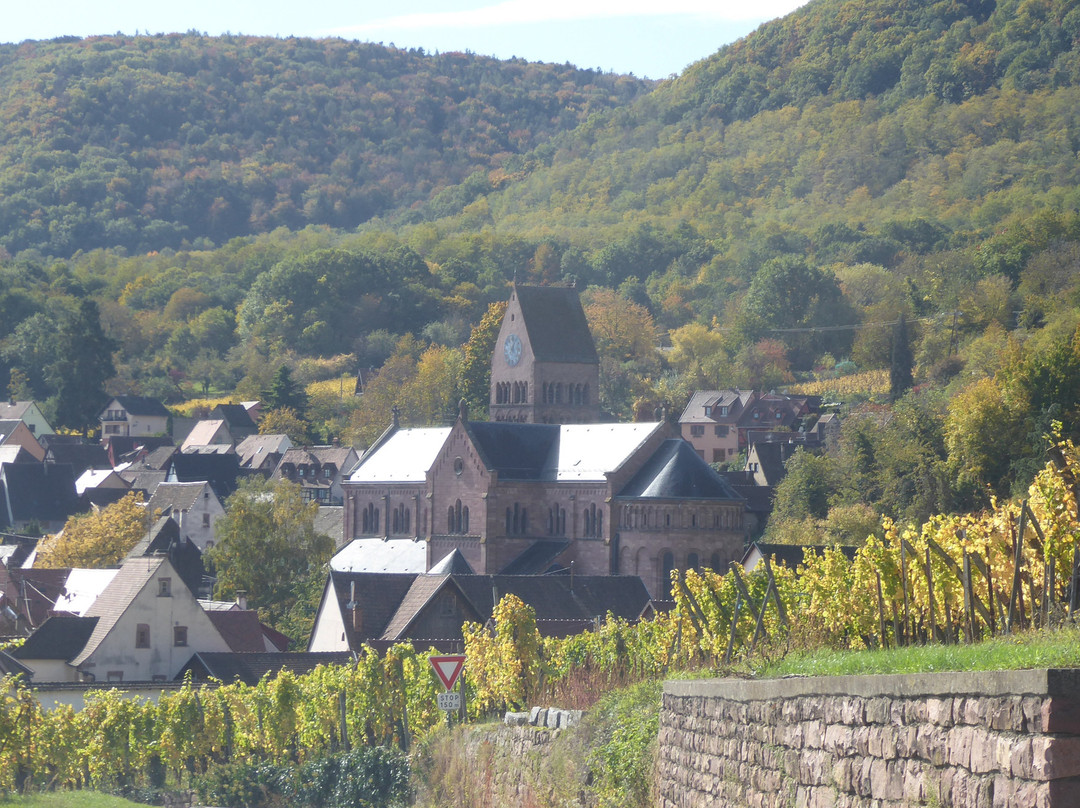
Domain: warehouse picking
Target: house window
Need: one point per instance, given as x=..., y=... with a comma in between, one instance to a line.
x=723, y=410
x=718, y=455
x=708, y=411
x=720, y=431
x=115, y=676
x=112, y=429
x=757, y=415
x=206, y=520
x=779, y=415
x=179, y=636
x=164, y=587
x=327, y=473
x=142, y=635
x=697, y=430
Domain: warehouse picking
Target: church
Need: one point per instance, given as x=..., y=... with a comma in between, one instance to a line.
x=543, y=487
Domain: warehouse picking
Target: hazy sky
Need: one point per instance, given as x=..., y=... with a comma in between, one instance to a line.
x=653, y=39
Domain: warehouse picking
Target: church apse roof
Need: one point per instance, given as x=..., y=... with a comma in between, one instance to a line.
x=675, y=471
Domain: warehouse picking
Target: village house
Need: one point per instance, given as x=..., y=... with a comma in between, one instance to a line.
x=194, y=507
x=719, y=424
x=17, y=433
x=429, y=609
x=36, y=497
x=144, y=626
x=133, y=417
x=29, y=413
x=318, y=470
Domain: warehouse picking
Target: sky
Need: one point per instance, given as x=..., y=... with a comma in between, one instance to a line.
x=649, y=38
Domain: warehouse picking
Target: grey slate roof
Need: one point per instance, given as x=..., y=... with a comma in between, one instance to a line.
x=168, y=496
x=220, y=470
x=453, y=563
x=404, y=456
x=14, y=409
x=381, y=555
x=675, y=471
x=556, y=324
x=7, y=426
x=255, y=449
x=141, y=405
x=537, y=560
x=236, y=416
x=44, y=492
x=80, y=456
x=15, y=549
x=517, y=451
x=250, y=668
x=792, y=555
x=377, y=595
x=59, y=637
x=771, y=458
x=144, y=479
x=9, y=665
x=240, y=628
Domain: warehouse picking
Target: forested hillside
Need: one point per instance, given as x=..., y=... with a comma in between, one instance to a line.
x=151, y=142
x=858, y=188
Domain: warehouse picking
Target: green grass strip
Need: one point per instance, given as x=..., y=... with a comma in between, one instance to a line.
x=1056, y=648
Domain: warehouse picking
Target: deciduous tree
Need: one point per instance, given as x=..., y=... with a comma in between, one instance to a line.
x=98, y=539
x=267, y=545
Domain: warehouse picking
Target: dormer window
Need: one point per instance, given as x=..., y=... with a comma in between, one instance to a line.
x=723, y=410
x=708, y=411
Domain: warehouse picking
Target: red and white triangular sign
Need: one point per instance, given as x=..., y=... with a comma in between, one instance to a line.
x=448, y=668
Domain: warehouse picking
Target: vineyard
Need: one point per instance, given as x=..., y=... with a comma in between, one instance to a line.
x=954, y=579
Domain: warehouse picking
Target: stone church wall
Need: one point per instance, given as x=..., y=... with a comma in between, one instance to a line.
x=967, y=740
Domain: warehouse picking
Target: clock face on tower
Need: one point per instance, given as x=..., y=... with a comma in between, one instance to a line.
x=512, y=350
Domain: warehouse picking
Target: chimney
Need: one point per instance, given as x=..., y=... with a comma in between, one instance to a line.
x=241, y=599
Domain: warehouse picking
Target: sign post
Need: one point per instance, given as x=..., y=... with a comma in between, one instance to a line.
x=448, y=669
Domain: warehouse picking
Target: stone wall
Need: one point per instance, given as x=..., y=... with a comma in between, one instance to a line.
x=512, y=765
x=968, y=740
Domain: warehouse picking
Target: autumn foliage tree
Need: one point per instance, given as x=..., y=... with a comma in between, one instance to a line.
x=267, y=546
x=100, y=538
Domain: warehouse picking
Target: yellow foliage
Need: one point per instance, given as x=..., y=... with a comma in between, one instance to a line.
x=869, y=383
x=100, y=538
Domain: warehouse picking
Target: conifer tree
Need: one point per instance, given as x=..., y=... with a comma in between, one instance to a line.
x=900, y=371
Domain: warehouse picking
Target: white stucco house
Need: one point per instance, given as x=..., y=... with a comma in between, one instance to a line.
x=143, y=627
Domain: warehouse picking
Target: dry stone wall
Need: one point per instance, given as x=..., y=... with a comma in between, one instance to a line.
x=967, y=740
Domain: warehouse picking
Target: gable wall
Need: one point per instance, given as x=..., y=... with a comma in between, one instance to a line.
x=328, y=633
x=117, y=651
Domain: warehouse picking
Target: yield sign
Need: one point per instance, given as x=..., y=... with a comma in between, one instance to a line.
x=448, y=668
